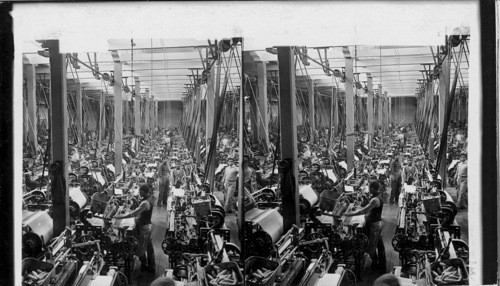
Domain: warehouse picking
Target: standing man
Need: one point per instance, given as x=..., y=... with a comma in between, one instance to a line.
x=396, y=180
x=373, y=226
x=461, y=178
x=229, y=179
x=409, y=171
x=164, y=185
x=143, y=226
x=177, y=174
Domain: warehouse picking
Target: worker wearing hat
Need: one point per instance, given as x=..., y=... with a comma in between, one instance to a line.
x=229, y=179
x=461, y=178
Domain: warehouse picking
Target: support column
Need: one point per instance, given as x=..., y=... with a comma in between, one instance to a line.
x=335, y=111
x=262, y=91
x=147, y=112
x=59, y=140
x=369, y=106
x=118, y=116
x=210, y=112
x=197, y=126
x=254, y=114
x=79, y=118
x=137, y=107
x=386, y=112
x=288, y=128
x=389, y=114
x=444, y=90
x=102, y=120
x=312, y=121
x=31, y=96
x=380, y=106
x=151, y=115
x=349, y=103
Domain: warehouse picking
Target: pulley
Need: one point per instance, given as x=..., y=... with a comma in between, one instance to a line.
x=216, y=219
x=225, y=44
x=461, y=249
x=399, y=242
x=106, y=77
x=447, y=215
x=233, y=251
x=74, y=210
x=259, y=243
x=130, y=245
x=32, y=245
x=359, y=242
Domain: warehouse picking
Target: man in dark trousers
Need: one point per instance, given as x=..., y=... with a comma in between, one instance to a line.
x=164, y=185
x=396, y=180
x=143, y=226
x=373, y=226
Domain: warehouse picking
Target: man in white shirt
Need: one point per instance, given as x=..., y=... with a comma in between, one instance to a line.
x=229, y=179
x=461, y=178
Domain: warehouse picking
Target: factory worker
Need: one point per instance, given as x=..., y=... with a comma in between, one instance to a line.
x=229, y=179
x=409, y=171
x=177, y=174
x=373, y=225
x=143, y=227
x=396, y=180
x=461, y=178
x=248, y=175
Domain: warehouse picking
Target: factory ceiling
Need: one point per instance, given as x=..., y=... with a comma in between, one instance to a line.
x=397, y=68
x=164, y=66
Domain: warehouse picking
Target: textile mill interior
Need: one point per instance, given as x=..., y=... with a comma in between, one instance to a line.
x=199, y=162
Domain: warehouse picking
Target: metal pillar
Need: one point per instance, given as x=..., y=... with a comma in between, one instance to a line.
x=312, y=121
x=137, y=107
x=288, y=128
x=335, y=111
x=380, y=105
x=79, y=110
x=254, y=114
x=349, y=103
x=389, y=114
x=262, y=91
x=151, y=114
x=59, y=139
x=31, y=96
x=369, y=105
x=210, y=109
x=386, y=112
x=197, y=125
x=102, y=122
x=147, y=112
x=118, y=116
x=444, y=90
